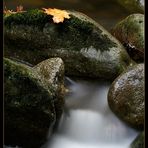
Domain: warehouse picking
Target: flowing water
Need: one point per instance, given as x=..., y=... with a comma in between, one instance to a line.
x=88, y=122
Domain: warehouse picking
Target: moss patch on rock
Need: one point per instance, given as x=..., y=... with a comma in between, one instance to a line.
x=130, y=31
x=75, y=33
x=75, y=38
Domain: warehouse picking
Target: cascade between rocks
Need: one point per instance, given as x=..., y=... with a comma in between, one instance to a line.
x=88, y=122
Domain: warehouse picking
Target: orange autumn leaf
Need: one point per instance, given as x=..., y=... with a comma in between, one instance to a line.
x=6, y=11
x=18, y=10
x=58, y=15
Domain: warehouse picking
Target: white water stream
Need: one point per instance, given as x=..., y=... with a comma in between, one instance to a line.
x=88, y=122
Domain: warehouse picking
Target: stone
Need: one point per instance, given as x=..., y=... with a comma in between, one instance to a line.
x=33, y=101
x=139, y=141
x=86, y=48
x=133, y=6
x=126, y=96
x=130, y=32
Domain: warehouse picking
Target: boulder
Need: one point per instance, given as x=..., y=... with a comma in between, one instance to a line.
x=33, y=101
x=139, y=141
x=126, y=96
x=130, y=32
x=133, y=6
x=86, y=48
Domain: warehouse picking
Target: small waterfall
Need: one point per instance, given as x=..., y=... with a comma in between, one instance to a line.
x=88, y=122
x=69, y=82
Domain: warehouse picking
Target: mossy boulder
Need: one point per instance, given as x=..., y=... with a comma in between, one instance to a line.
x=31, y=101
x=86, y=48
x=126, y=96
x=130, y=32
x=139, y=141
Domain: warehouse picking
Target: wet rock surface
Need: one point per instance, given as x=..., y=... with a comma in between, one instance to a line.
x=126, y=96
x=130, y=32
x=106, y=13
x=86, y=48
x=31, y=101
x=139, y=141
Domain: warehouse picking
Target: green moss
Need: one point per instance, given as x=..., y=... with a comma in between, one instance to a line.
x=78, y=23
x=74, y=33
x=29, y=106
x=84, y=34
x=130, y=32
x=11, y=66
x=66, y=40
x=31, y=17
x=28, y=93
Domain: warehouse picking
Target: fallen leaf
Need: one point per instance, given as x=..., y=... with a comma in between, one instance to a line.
x=18, y=10
x=6, y=11
x=9, y=12
x=58, y=15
